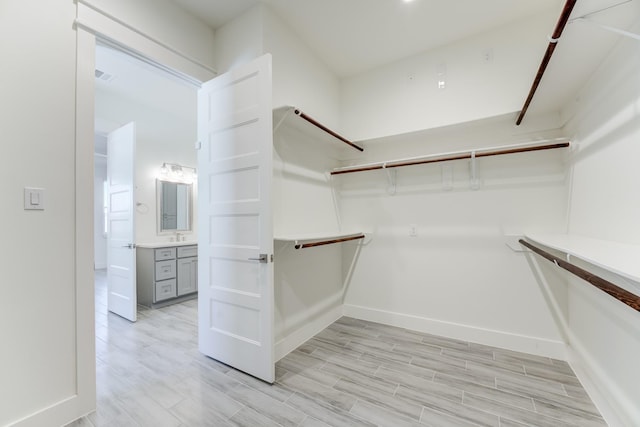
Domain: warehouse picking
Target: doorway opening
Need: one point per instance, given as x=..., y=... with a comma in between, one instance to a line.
x=163, y=111
x=132, y=356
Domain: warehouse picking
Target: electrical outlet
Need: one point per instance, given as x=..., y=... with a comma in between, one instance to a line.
x=413, y=230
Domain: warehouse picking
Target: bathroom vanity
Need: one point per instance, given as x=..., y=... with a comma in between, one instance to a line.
x=166, y=273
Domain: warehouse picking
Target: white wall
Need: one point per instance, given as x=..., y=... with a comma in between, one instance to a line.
x=240, y=40
x=457, y=277
x=37, y=321
x=605, y=333
x=403, y=96
x=300, y=78
x=161, y=136
x=44, y=379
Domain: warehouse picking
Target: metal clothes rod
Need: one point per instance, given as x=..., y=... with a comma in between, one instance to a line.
x=328, y=242
x=326, y=129
x=450, y=156
x=562, y=22
x=615, y=291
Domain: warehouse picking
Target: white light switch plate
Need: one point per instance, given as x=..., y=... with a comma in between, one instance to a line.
x=34, y=199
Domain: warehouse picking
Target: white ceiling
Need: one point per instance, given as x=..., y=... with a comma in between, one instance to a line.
x=216, y=12
x=353, y=36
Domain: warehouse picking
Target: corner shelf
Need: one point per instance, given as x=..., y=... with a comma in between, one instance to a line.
x=320, y=136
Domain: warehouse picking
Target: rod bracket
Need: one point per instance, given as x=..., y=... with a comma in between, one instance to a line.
x=392, y=177
x=474, y=183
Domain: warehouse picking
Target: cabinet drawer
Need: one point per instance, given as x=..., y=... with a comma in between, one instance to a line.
x=165, y=289
x=187, y=251
x=165, y=270
x=165, y=253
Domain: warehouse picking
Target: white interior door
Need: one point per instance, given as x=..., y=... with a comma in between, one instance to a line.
x=235, y=231
x=121, y=254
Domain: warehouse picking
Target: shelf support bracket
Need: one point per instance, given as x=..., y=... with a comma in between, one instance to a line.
x=392, y=175
x=475, y=183
x=609, y=28
x=284, y=117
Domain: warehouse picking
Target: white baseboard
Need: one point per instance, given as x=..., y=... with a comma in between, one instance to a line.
x=522, y=343
x=308, y=331
x=60, y=413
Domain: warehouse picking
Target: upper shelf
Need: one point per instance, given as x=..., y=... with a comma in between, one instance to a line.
x=338, y=146
x=620, y=258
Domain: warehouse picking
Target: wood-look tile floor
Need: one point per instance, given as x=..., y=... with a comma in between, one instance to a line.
x=354, y=373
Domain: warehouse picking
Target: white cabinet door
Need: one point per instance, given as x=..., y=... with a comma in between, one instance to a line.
x=121, y=254
x=235, y=300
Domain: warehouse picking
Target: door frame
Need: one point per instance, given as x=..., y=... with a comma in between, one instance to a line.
x=93, y=25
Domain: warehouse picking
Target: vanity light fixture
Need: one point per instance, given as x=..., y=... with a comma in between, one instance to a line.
x=175, y=170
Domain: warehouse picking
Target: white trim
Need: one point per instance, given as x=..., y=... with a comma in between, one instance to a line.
x=114, y=32
x=308, y=331
x=84, y=222
x=88, y=25
x=516, y=342
x=59, y=413
x=84, y=399
x=93, y=23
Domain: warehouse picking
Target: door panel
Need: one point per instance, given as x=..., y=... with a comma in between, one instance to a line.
x=121, y=254
x=235, y=301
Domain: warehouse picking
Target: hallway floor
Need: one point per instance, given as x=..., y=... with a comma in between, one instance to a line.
x=354, y=373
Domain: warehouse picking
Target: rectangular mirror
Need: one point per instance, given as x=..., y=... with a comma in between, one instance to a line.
x=175, y=206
